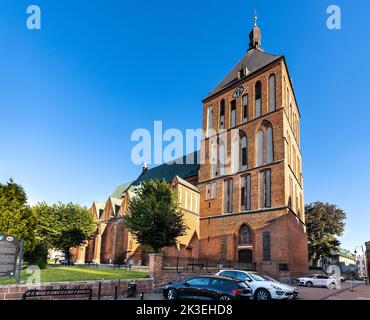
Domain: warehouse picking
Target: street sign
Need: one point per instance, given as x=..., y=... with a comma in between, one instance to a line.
x=8, y=255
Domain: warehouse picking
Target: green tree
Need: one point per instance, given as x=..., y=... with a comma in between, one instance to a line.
x=325, y=222
x=16, y=217
x=154, y=217
x=64, y=226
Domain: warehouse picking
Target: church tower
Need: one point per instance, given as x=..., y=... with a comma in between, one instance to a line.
x=251, y=182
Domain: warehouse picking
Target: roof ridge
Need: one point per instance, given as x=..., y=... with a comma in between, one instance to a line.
x=253, y=60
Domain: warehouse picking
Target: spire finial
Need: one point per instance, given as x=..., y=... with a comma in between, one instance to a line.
x=255, y=17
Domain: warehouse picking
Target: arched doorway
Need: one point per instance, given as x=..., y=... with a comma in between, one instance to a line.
x=245, y=244
x=245, y=256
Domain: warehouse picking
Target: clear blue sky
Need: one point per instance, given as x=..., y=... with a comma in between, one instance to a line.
x=72, y=93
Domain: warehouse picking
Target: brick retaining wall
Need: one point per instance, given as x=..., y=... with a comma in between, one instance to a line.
x=15, y=292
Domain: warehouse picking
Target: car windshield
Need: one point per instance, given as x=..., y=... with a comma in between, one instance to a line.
x=257, y=277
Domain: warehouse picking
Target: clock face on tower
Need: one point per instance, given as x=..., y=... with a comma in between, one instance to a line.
x=238, y=92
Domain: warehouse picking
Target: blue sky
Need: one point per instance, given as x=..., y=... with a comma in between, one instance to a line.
x=72, y=93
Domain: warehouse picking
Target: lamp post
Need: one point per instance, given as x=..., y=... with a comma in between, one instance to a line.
x=365, y=262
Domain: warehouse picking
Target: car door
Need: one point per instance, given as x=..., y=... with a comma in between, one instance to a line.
x=217, y=287
x=322, y=281
x=315, y=281
x=195, y=288
x=327, y=281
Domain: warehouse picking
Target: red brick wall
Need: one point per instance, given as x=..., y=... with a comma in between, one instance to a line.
x=15, y=292
x=298, y=248
x=229, y=225
x=172, y=276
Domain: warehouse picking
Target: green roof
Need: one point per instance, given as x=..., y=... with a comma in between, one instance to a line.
x=168, y=171
x=118, y=193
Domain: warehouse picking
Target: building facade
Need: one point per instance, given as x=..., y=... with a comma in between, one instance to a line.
x=361, y=266
x=244, y=201
x=251, y=185
x=112, y=243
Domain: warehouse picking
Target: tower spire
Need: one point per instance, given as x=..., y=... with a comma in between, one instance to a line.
x=255, y=35
x=255, y=17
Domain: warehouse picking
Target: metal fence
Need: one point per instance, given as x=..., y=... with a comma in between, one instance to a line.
x=179, y=264
x=63, y=291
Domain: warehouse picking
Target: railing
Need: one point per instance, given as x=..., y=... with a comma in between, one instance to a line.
x=62, y=292
x=179, y=264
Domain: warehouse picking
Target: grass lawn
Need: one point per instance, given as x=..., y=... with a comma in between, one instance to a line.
x=66, y=273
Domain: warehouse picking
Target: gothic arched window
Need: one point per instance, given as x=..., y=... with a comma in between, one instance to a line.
x=222, y=114
x=209, y=120
x=222, y=158
x=214, y=159
x=260, y=145
x=258, y=102
x=244, y=153
x=245, y=108
x=272, y=93
x=269, y=146
x=264, y=142
x=235, y=155
x=245, y=237
x=233, y=114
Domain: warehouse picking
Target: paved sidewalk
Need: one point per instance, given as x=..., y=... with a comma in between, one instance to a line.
x=361, y=292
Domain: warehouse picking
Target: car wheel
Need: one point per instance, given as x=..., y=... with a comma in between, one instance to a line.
x=224, y=298
x=262, y=295
x=309, y=284
x=172, y=294
x=332, y=286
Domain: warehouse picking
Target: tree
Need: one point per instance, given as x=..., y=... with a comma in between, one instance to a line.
x=64, y=226
x=325, y=222
x=16, y=217
x=154, y=217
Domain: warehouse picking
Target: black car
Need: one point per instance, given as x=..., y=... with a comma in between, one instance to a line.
x=208, y=288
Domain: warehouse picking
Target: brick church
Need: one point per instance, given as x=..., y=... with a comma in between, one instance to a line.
x=244, y=202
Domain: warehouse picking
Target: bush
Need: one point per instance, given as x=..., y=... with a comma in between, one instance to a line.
x=38, y=257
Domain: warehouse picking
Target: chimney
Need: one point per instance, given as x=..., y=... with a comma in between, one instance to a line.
x=145, y=168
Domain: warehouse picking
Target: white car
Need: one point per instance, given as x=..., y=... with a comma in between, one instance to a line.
x=318, y=280
x=262, y=287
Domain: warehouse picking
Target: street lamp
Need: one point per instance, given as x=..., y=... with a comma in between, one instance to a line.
x=365, y=262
